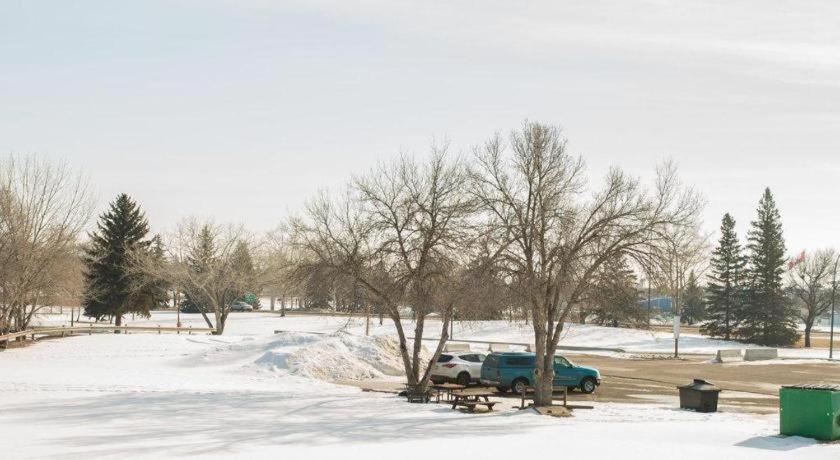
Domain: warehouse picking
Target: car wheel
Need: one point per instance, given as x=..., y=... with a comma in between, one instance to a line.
x=519, y=386
x=588, y=385
x=463, y=378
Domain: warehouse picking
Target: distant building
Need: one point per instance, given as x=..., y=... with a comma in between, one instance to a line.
x=663, y=304
x=825, y=321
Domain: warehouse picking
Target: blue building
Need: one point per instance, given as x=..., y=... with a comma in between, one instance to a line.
x=663, y=304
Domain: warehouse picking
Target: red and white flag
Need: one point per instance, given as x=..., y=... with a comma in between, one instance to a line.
x=796, y=260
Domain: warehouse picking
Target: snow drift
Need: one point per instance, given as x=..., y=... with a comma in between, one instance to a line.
x=338, y=356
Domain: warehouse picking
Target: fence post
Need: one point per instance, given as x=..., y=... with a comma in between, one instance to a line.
x=190, y=333
x=90, y=331
x=565, y=395
x=62, y=331
x=158, y=329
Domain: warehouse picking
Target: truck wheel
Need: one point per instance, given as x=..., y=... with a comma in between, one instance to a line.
x=464, y=378
x=588, y=385
x=519, y=385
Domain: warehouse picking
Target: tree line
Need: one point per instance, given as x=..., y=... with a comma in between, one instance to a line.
x=514, y=228
x=129, y=271
x=756, y=294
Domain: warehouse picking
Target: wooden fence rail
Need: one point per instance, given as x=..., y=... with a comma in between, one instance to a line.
x=64, y=331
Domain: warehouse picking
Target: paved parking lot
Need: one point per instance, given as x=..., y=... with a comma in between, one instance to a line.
x=747, y=387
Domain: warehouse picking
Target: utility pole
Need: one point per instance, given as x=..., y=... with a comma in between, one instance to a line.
x=833, y=296
x=676, y=301
x=649, y=270
x=677, y=312
x=176, y=297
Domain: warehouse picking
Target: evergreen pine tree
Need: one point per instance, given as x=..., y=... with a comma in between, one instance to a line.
x=242, y=262
x=694, y=307
x=199, y=260
x=725, y=291
x=154, y=288
x=768, y=317
x=113, y=285
x=615, y=296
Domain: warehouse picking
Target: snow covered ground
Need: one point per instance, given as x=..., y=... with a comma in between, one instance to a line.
x=634, y=341
x=254, y=394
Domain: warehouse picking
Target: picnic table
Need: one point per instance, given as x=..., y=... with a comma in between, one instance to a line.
x=447, y=389
x=472, y=398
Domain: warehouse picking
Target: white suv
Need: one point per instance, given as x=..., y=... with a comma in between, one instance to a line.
x=462, y=368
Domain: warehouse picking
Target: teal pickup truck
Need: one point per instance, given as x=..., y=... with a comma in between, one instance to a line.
x=515, y=371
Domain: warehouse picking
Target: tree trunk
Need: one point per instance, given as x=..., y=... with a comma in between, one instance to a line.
x=117, y=321
x=418, y=343
x=808, y=326
x=543, y=375
x=544, y=381
x=406, y=359
x=444, y=337
x=220, y=323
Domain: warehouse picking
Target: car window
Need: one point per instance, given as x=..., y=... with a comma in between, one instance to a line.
x=481, y=358
x=444, y=358
x=473, y=358
x=561, y=361
x=520, y=361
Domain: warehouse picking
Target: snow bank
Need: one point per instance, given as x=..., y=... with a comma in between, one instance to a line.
x=338, y=356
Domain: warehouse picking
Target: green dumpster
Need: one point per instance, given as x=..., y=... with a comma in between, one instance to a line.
x=812, y=411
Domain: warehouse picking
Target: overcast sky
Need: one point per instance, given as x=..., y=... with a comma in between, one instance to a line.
x=241, y=109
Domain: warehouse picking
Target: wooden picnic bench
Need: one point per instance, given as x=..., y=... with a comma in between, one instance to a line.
x=447, y=389
x=529, y=394
x=470, y=399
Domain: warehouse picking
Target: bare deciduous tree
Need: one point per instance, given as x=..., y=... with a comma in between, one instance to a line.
x=682, y=250
x=43, y=209
x=809, y=282
x=279, y=259
x=205, y=264
x=399, y=232
x=552, y=237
